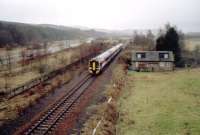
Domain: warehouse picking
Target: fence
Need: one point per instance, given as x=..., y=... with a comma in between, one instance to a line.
x=32, y=83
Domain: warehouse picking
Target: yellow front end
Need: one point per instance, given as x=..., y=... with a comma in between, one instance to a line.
x=94, y=67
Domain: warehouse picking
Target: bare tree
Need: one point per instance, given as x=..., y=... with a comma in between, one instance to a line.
x=6, y=79
x=23, y=61
x=30, y=58
x=197, y=54
x=9, y=67
x=143, y=41
x=150, y=40
x=8, y=59
x=82, y=52
x=45, y=47
x=1, y=63
x=62, y=58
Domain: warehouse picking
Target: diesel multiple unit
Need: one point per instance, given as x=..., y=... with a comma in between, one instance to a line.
x=97, y=64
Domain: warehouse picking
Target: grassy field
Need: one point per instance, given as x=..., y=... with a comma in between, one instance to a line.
x=11, y=109
x=53, y=62
x=165, y=103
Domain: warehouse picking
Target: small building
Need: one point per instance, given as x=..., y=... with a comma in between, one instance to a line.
x=152, y=61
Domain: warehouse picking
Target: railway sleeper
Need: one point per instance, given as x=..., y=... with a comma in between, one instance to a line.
x=42, y=128
x=38, y=132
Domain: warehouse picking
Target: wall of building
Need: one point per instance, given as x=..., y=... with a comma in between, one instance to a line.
x=152, y=66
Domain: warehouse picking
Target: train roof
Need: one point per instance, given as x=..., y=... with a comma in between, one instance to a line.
x=107, y=52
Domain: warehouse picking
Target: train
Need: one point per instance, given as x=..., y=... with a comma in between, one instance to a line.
x=98, y=63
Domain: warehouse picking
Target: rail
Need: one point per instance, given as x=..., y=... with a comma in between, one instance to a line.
x=57, y=111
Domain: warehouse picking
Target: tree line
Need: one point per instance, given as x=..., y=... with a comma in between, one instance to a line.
x=170, y=39
x=167, y=39
x=21, y=34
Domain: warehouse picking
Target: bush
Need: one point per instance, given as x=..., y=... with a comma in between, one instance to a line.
x=43, y=69
x=125, y=57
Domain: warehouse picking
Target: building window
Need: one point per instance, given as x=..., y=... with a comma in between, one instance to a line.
x=140, y=55
x=164, y=55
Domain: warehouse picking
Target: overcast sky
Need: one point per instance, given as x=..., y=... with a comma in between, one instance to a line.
x=107, y=14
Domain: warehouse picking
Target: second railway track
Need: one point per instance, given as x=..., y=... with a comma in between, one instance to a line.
x=45, y=124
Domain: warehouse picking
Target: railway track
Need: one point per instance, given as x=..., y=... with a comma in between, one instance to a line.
x=50, y=119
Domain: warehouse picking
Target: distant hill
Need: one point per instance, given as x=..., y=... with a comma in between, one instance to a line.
x=192, y=35
x=21, y=33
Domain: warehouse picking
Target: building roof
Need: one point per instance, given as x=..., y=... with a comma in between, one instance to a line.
x=153, y=56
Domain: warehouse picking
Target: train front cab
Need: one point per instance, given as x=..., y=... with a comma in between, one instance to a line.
x=94, y=67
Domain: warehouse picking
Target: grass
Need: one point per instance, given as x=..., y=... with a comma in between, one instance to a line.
x=165, y=103
x=22, y=74
x=21, y=79
x=53, y=62
x=106, y=112
x=11, y=109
